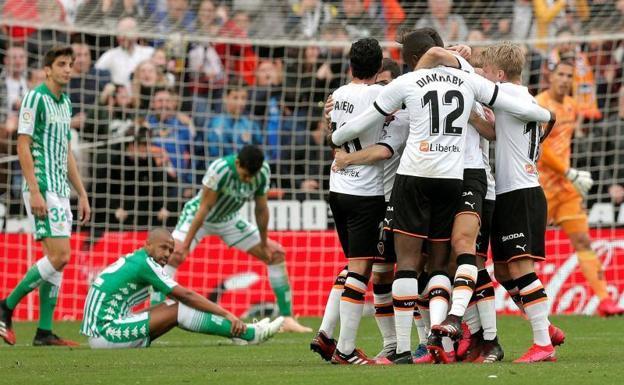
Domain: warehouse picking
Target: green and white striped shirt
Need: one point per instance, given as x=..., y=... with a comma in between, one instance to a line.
x=223, y=178
x=47, y=119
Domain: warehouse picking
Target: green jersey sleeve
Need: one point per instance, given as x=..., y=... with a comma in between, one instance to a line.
x=153, y=274
x=264, y=181
x=217, y=175
x=29, y=112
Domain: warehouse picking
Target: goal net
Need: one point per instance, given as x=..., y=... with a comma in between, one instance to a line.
x=162, y=88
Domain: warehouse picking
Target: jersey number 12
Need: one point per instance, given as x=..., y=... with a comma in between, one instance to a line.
x=431, y=99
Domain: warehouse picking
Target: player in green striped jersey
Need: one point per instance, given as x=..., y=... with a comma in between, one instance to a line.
x=48, y=167
x=229, y=183
x=109, y=322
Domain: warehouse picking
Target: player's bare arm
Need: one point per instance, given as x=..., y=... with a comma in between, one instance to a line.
x=196, y=301
x=369, y=155
x=208, y=199
x=437, y=56
x=84, y=210
x=37, y=202
x=261, y=211
x=485, y=126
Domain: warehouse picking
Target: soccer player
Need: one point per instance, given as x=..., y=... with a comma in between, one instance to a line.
x=389, y=149
x=48, y=166
x=427, y=188
x=229, y=183
x=565, y=187
x=109, y=322
x=356, y=197
x=517, y=244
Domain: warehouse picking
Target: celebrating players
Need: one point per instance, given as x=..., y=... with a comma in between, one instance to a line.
x=48, y=166
x=109, y=322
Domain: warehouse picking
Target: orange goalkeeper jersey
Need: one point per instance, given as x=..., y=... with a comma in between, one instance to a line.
x=555, y=155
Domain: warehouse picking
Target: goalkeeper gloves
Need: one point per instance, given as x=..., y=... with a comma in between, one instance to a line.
x=581, y=180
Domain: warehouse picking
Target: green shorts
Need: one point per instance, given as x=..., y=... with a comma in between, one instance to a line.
x=58, y=222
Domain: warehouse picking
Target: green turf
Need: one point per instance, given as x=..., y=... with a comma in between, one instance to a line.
x=591, y=355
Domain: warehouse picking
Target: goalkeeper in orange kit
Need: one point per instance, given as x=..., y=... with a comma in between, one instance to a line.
x=566, y=187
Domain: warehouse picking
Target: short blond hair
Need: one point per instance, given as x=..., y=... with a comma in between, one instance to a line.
x=506, y=56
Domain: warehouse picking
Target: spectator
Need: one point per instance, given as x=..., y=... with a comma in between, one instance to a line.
x=165, y=65
x=176, y=17
x=357, y=22
x=336, y=56
x=451, y=27
x=523, y=22
x=612, y=165
x=207, y=22
x=122, y=60
x=146, y=78
x=265, y=105
x=106, y=13
x=131, y=190
x=238, y=60
x=170, y=134
x=115, y=119
x=227, y=132
x=608, y=72
x=476, y=38
x=550, y=17
x=13, y=79
x=307, y=16
x=86, y=82
x=584, y=87
x=21, y=10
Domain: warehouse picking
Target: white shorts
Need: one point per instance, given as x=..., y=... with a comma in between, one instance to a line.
x=236, y=232
x=58, y=222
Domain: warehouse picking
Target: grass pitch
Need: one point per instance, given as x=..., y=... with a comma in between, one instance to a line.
x=592, y=354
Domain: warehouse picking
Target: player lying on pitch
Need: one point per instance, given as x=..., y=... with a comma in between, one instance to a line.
x=109, y=323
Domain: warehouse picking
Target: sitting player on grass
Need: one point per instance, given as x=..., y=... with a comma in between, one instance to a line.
x=109, y=323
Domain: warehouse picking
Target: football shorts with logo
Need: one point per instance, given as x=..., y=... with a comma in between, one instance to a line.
x=57, y=223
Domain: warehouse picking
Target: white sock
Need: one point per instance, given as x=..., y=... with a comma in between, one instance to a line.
x=439, y=292
x=463, y=285
x=420, y=327
x=471, y=317
x=404, y=294
x=447, y=345
x=332, y=307
x=423, y=309
x=536, y=307
x=486, y=305
x=384, y=313
x=48, y=272
x=351, y=306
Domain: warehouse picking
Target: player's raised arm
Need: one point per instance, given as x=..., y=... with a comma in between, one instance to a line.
x=389, y=100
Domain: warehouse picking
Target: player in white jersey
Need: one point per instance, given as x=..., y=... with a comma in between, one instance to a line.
x=518, y=242
x=356, y=196
x=427, y=189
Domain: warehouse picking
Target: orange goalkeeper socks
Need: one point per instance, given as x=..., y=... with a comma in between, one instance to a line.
x=592, y=270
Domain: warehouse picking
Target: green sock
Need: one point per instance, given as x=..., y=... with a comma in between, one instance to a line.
x=207, y=323
x=48, y=294
x=278, y=277
x=31, y=280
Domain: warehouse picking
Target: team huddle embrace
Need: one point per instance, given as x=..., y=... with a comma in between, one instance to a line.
x=416, y=205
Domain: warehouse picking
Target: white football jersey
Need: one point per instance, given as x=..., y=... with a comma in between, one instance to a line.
x=473, y=156
x=491, y=183
x=517, y=145
x=394, y=135
x=363, y=180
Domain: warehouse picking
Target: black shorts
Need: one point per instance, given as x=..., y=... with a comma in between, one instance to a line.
x=483, y=239
x=519, y=225
x=358, y=222
x=385, y=245
x=425, y=207
x=473, y=192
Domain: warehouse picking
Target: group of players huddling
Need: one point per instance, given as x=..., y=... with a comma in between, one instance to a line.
x=416, y=150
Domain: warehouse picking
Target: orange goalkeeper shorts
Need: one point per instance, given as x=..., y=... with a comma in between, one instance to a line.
x=565, y=209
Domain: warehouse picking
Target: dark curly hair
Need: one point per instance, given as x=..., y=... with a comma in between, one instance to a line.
x=365, y=56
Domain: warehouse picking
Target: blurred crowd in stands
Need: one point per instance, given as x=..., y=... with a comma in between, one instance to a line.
x=157, y=95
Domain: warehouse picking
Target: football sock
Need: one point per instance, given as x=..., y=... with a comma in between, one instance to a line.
x=486, y=305
x=48, y=295
x=39, y=272
x=447, y=345
x=207, y=323
x=351, y=306
x=278, y=277
x=464, y=283
x=332, y=307
x=422, y=302
x=535, y=306
x=384, y=312
x=404, y=295
x=471, y=317
x=439, y=293
x=514, y=293
x=420, y=327
x=591, y=267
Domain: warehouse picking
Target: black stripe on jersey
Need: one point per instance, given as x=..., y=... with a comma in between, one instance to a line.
x=494, y=95
x=380, y=110
x=389, y=147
